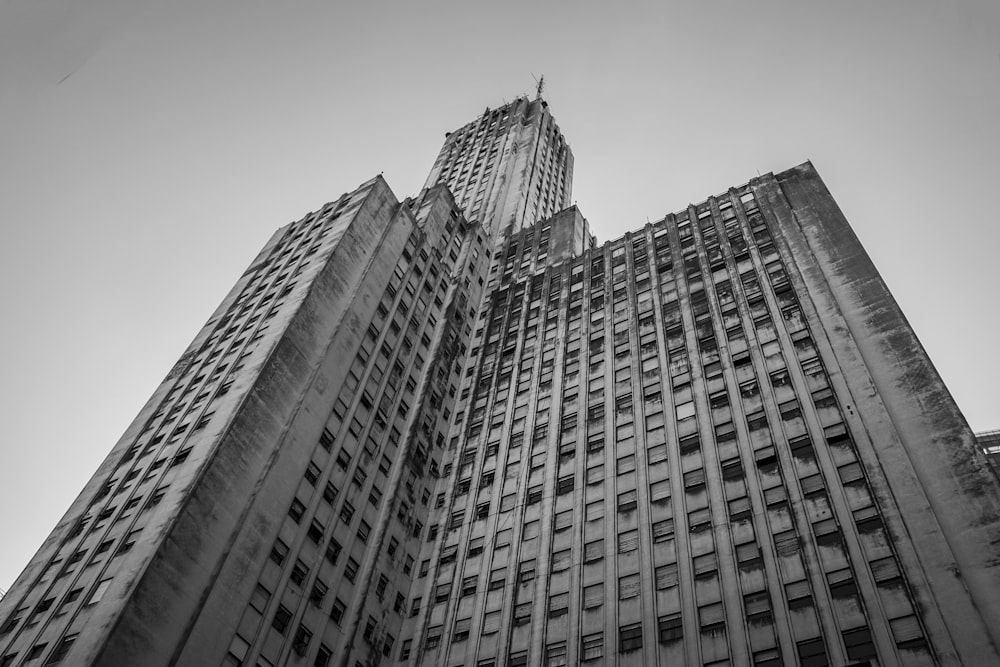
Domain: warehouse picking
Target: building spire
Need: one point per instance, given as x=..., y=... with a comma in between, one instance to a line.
x=540, y=85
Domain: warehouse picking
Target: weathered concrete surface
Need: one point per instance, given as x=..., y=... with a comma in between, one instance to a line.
x=227, y=520
x=935, y=476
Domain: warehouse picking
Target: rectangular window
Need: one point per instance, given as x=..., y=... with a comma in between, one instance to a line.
x=558, y=605
x=351, y=569
x=659, y=492
x=627, y=501
x=628, y=541
x=628, y=586
x=626, y=464
x=593, y=596
x=670, y=629
x=561, y=560
x=666, y=576
x=592, y=647
x=491, y=622
x=630, y=637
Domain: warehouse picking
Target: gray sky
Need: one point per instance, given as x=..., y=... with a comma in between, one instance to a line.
x=149, y=148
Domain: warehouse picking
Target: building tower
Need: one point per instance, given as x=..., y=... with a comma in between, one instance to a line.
x=453, y=430
x=509, y=168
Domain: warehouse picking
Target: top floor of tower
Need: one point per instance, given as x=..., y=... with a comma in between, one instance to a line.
x=509, y=168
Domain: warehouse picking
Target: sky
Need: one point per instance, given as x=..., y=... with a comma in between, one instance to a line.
x=149, y=148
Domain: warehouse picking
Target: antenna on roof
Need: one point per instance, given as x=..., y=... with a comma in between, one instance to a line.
x=539, y=85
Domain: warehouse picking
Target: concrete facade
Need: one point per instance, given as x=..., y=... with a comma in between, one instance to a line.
x=989, y=442
x=455, y=430
x=509, y=168
x=700, y=444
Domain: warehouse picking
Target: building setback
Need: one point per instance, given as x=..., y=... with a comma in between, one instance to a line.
x=454, y=430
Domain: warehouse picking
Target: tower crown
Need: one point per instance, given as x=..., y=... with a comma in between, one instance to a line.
x=509, y=168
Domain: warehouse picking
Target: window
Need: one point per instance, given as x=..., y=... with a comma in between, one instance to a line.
x=181, y=457
x=62, y=649
x=748, y=555
x=595, y=510
x=281, y=619
x=705, y=564
x=595, y=474
x=630, y=637
x=859, y=644
x=319, y=590
x=561, y=560
x=497, y=578
x=351, y=569
x=558, y=605
x=666, y=576
x=461, y=632
x=491, y=622
x=316, y=530
x=628, y=541
x=530, y=531
x=337, y=612
x=710, y=615
x=526, y=571
x=592, y=647
x=99, y=591
x=663, y=530
x=433, y=637
x=329, y=492
x=694, y=480
x=669, y=629
x=35, y=652
x=628, y=586
x=475, y=547
x=757, y=605
x=502, y=538
x=347, y=512
x=300, y=643
x=659, y=492
x=70, y=598
x=312, y=473
x=565, y=485
x=323, y=656
x=469, y=586
x=522, y=614
x=812, y=653
x=699, y=520
x=333, y=551
x=299, y=573
x=593, y=596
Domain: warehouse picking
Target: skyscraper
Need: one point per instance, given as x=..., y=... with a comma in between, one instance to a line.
x=455, y=430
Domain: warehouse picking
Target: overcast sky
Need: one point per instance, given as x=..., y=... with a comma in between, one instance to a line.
x=149, y=148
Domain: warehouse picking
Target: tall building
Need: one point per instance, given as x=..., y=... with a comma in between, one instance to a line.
x=509, y=168
x=455, y=430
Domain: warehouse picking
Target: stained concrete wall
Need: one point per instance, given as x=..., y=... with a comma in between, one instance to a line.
x=228, y=520
x=931, y=480
x=39, y=579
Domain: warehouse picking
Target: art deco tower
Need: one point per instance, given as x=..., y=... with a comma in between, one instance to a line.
x=453, y=430
x=509, y=168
